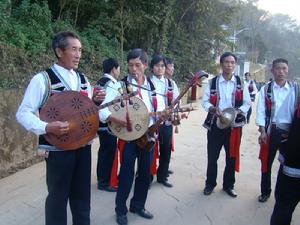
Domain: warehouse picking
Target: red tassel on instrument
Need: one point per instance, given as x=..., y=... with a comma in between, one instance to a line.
x=128, y=123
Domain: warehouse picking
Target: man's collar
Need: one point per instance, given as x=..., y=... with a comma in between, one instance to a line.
x=62, y=69
x=162, y=78
x=110, y=77
x=222, y=79
x=286, y=85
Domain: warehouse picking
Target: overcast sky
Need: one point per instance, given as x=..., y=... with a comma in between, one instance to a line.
x=289, y=7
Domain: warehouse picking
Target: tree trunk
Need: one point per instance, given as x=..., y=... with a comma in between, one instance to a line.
x=76, y=15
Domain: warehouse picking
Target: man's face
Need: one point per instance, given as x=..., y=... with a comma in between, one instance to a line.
x=247, y=77
x=136, y=68
x=170, y=70
x=280, y=71
x=228, y=65
x=70, y=56
x=159, y=69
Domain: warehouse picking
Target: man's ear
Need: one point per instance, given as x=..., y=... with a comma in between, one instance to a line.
x=145, y=65
x=59, y=52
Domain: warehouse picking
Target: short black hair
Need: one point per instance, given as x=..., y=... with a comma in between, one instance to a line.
x=156, y=59
x=60, y=40
x=109, y=64
x=279, y=60
x=169, y=61
x=226, y=54
x=138, y=53
x=247, y=74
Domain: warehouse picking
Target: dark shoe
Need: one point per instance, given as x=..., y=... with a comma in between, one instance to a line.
x=208, y=190
x=165, y=183
x=231, y=192
x=107, y=188
x=122, y=219
x=142, y=212
x=263, y=197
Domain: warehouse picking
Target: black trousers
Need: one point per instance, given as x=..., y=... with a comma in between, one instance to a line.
x=126, y=175
x=216, y=139
x=165, y=149
x=68, y=177
x=106, y=155
x=287, y=197
x=274, y=145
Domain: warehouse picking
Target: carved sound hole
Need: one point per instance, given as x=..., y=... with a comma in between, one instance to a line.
x=138, y=127
x=116, y=108
x=52, y=113
x=76, y=103
x=86, y=126
x=118, y=129
x=136, y=106
x=64, y=138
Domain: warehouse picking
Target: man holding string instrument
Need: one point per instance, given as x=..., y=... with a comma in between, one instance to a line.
x=68, y=172
x=140, y=146
x=137, y=63
x=163, y=86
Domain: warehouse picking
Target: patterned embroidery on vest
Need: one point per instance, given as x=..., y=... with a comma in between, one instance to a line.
x=268, y=103
x=56, y=87
x=214, y=100
x=251, y=88
x=169, y=92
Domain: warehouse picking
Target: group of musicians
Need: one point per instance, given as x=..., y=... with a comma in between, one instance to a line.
x=68, y=173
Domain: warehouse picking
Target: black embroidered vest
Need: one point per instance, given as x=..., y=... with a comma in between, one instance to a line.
x=57, y=86
x=215, y=97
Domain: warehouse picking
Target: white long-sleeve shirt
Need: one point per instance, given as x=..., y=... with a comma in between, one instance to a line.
x=284, y=98
x=226, y=89
x=112, y=91
x=34, y=95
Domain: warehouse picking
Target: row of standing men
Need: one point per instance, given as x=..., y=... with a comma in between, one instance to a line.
x=277, y=117
x=68, y=173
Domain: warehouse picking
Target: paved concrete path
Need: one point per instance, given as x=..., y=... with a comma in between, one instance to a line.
x=22, y=195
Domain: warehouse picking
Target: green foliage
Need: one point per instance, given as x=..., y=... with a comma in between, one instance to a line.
x=35, y=23
x=188, y=31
